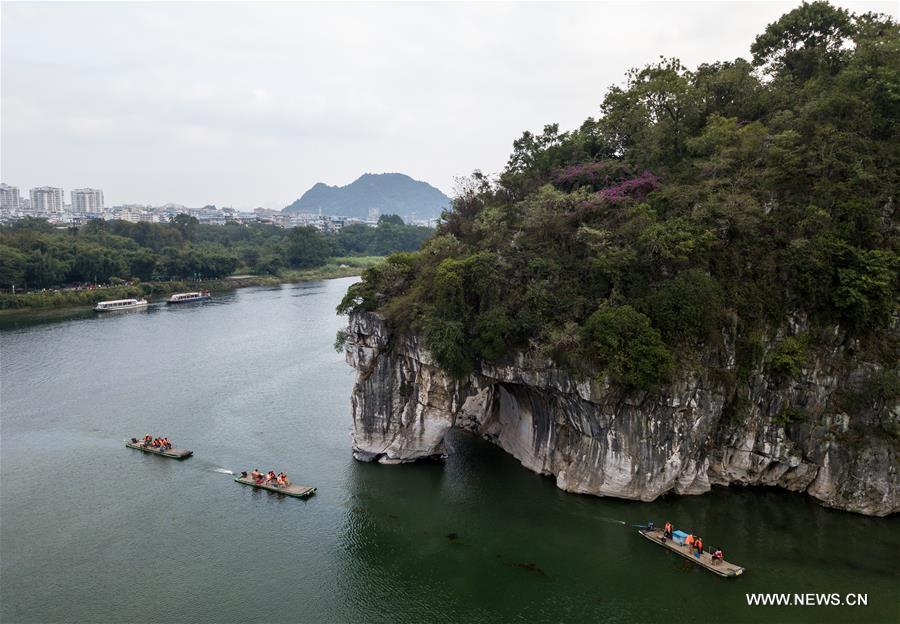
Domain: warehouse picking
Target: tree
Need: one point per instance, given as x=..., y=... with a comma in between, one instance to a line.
x=12, y=266
x=687, y=308
x=804, y=41
x=623, y=343
x=44, y=270
x=391, y=219
x=141, y=264
x=306, y=247
x=186, y=226
x=650, y=120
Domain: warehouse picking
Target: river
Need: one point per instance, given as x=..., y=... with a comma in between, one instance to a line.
x=91, y=531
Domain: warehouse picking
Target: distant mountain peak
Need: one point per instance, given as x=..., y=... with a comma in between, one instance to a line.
x=388, y=193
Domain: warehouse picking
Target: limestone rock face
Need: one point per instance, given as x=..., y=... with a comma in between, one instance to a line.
x=598, y=438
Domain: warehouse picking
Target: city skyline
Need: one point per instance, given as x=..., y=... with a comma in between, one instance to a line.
x=87, y=204
x=90, y=197
x=159, y=103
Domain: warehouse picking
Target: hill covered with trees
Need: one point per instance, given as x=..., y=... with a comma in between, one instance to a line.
x=726, y=200
x=389, y=193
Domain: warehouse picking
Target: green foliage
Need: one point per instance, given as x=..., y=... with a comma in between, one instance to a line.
x=686, y=308
x=789, y=415
x=340, y=339
x=737, y=409
x=866, y=285
x=461, y=326
x=884, y=385
x=749, y=353
x=379, y=282
x=36, y=255
x=788, y=357
x=12, y=266
x=491, y=334
x=305, y=247
x=623, y=344
x=753, y=192
x=390, y=235
x=807, y=40
x=186, y=225
x=446, y=341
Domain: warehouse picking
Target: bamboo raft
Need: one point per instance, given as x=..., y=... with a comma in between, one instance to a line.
x=297, y=491
x=723, y=568
x=174, y=453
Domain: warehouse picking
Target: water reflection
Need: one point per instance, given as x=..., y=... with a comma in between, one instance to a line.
x=483, y=537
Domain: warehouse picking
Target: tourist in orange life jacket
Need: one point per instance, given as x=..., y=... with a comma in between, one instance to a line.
x=667, y=531
x=699, y=546
x=689, y=541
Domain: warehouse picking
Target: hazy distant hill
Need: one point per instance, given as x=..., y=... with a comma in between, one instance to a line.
x=390, y=193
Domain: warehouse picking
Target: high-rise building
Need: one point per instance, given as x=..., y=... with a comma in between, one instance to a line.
x=9, y=198
x=87, y=200
x=46, y=199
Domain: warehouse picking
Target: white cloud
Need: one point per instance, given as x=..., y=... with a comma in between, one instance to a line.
x=249, y=104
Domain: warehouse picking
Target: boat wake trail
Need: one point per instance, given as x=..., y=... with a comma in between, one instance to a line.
x=222, y=470
x=613, y=520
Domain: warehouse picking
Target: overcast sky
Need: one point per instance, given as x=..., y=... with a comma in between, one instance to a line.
x=250, y=104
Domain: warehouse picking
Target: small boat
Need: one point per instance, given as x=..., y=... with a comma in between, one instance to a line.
x=174, y=453
x=120, y=304
x=297, y=491
x=189, y=297
x=723, y=568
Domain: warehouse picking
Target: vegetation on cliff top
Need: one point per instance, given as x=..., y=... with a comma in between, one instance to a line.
x=734, y=194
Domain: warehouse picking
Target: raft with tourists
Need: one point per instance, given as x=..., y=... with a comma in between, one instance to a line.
x=685, y=545
x=275, y=483
x=158, y=446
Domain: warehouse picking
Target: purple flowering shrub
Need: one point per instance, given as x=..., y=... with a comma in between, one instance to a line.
x=614, y=182
x=636, y=188
x=595, y=175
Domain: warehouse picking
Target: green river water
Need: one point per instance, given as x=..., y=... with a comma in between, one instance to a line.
x=93, y=532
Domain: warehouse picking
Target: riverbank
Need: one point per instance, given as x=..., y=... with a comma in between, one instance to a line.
x=61, y=299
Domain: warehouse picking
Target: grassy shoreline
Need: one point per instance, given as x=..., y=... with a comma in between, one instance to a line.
x=60, y=299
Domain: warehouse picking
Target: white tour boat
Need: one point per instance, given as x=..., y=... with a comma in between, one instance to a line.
x=188, y=297
x=120, y=304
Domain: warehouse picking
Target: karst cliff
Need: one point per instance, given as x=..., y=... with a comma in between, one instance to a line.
x=597, y=438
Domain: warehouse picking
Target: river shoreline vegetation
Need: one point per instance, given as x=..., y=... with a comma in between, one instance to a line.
x=727, y=202
x=51, y=267
x=336, y=267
